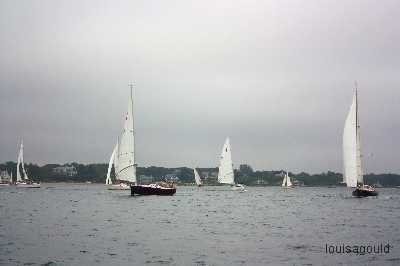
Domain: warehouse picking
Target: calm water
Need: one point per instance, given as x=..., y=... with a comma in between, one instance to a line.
x=88, y=225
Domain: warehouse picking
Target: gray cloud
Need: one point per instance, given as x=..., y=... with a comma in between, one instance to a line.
x=276, y=76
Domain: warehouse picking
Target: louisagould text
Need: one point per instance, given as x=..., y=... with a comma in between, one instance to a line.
x=358, y=249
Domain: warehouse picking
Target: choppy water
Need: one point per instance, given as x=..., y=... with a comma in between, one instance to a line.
x=88, y=225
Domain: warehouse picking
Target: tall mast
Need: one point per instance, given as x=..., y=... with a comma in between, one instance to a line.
x=133, y=122
x=357, y=124
x=358, y=142
x=133, y=131
x=355, y=84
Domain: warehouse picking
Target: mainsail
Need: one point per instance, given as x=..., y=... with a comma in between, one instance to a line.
x=110, y=164
x=351, y=147
x=19, y=179
x=125, y=167
x=225, y=173
x=288, y=182
x=197, y=177
x=116, y=169
x=284, y=181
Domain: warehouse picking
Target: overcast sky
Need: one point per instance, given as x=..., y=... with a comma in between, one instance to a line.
x=275, y=76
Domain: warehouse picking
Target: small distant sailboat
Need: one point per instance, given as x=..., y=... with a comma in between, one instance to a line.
x=5, y=178
x=120, y=185
x=226, y=174
x=197, y=178
x=286, y=181
x=353, y=176
x=25, y=182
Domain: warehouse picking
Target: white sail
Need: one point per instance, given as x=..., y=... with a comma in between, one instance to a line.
x=284, y=181
x=126, y=144
x=23, y=170
x=21, y=163
x=197, y=177
x=110, y=164
x=288, y=182
x=20, y=154
x=225, y=173
x=360, y=178
x=351, y=147
x=116, y=151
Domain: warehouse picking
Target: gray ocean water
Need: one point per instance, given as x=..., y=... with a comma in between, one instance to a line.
x=89, y=225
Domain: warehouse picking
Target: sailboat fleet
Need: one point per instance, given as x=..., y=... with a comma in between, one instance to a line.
x=352, y=176
x=123, y=159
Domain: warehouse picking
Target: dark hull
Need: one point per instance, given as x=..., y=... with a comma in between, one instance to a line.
x=361, y=193
x=146, y=190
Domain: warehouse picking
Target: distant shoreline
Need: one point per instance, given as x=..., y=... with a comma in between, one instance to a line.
x=75, y=173
x=194, y=185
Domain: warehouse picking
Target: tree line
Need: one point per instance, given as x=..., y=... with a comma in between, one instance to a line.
x=96, y=173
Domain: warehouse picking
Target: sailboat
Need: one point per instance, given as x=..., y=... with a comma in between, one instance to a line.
x=226, y=174
x=353, y=176
x=117, y=186
x=286, y=181
x=25, y=182
x=124, y=160
x=5, y=178
x=197, y=177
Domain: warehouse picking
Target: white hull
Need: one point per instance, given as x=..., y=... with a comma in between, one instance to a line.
x=26, y=185
x=4, y=184
x=238, y=187
x=119, y=187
